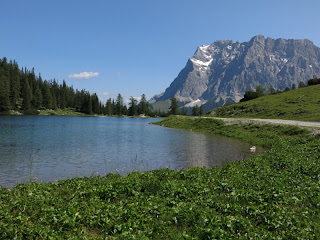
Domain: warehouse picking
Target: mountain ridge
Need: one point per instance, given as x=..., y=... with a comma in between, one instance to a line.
x=224, y=70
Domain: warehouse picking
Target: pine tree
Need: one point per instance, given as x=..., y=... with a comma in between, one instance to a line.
x=86, y=106
x=47, y=96
x=124, y=109
x=184, y=111
x=201, y=110
x=89, y=103
x=95, y=103
x=143, y=107
x=133, y=107
x=54, y=100
x=102, y=109
x=63, y=95
x=174, y=108
x=4, y=92
x=55, y=94
x=195, y=111
x=260, y=90
x=70, y=97
x=14, y=85
x=119, y=105
x=271, y=90
x=109, y=111
x=26, y=94
x=5, y=104
x=37, y=99
x=301, y=84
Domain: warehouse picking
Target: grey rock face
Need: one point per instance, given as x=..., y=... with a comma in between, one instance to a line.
x=224, y=70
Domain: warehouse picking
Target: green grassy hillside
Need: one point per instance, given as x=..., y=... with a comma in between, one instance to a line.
x=298, y=104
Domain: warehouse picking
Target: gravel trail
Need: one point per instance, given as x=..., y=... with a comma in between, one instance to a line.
x=309, y=125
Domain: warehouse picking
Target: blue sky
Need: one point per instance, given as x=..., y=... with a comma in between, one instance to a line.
x=138, y=46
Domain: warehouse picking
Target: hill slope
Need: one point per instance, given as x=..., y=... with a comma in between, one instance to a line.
x=299, y=104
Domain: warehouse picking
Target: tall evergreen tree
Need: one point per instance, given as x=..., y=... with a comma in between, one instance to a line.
x=174, y=108
x=37, y=99
x=89, y=103
x=55, y=94
x=70, y=97
x=301, y=84
x=201, y=110
x=95, y=103
x=78, y=99
x=143, y=107
x=119, y=105
x=5, y=104
x=124, y=110
x=109, y=111
x=47, y=96
x=184, y=111
x=14, y=85
x=26, y=94
x=271, y=90
x=133, y=107
x=195, y=111
x=260, y=90
x=63, y=95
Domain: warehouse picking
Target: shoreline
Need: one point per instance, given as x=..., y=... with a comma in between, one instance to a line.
x=59, y=112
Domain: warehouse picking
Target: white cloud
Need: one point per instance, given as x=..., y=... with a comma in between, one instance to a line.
x=103, y=94
x=83, y=75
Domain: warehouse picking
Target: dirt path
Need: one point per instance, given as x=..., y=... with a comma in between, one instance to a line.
x=313, y=126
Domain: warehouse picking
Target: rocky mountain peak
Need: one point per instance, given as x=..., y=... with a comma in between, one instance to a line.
x=224, y=70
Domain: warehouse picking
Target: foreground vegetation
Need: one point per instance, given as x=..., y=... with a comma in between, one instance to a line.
x=299, y=104
x=276, y=195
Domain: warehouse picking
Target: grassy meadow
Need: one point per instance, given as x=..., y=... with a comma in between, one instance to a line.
x=298, y=104
x=271, y=196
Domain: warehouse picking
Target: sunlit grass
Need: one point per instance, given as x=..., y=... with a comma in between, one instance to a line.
x=298, y=104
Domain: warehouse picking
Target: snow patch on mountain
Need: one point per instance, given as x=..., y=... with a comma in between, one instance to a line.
x=194, y=103
x=201, y=63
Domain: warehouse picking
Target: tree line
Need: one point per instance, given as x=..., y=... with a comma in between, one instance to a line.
x=117, y=107
x=175, y=110
x=24, y=91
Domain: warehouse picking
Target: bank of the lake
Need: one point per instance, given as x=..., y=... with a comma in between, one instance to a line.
x=276, y=195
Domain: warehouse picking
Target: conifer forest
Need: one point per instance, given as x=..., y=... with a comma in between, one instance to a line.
x=25, y=91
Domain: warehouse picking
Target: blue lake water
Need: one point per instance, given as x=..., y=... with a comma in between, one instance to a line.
x=50, y=148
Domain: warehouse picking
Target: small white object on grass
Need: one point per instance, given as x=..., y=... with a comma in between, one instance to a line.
x=253, y=149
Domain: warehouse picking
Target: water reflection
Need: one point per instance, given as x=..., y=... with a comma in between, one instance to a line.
x=50, y=148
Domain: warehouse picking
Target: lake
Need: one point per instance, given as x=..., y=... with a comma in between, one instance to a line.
x=50, y=148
